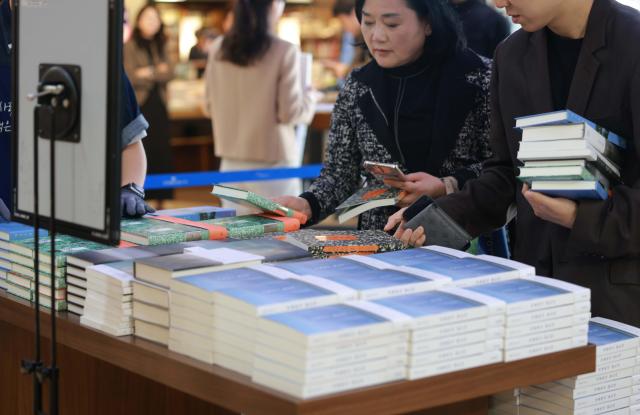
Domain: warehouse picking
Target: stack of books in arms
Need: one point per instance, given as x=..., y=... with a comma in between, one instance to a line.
x=213, y=316
x=369, y=282
x=461, y=268
x=325, y=244
x=306, y=353
x=569, y=156
x=108, y=302
x=450, y=329
x=543, y=315
x=614, y=388
x=21, y=278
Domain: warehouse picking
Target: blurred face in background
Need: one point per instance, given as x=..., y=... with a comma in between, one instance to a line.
x=531, y=15
x=393, y=32
x=149, y=22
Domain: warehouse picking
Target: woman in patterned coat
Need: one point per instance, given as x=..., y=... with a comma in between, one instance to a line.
x=421, y=103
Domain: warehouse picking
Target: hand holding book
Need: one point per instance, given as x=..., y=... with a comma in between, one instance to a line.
x=416, y=185
x=298, y=204
x=558, y=210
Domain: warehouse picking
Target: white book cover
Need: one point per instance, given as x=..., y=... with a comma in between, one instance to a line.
x=607, y=368
x=575, y=325
x=189, y=325
x=331, y=374
x=540, y=338
x=191, y=350
x=311, y=362
x=151, y=314
x=447, y=330
x=344, y=384
x=604, y=406
x=188, y=338
x=545, y=348
x=525, y=270
x=95, y=299
x=533, y=293
x=182, y=301
x=112, y=330
x=454, y=353
x=604, y=359
x=545, y=314
x=469, y=362
x=225, y=256
x=610, y=336
x=151, y=332
x=267, y=343
x=459, y=340
x=228, y=362
x=150, y=294
x=578, y=393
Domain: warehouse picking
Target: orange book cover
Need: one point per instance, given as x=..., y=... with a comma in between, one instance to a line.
x=290, y=224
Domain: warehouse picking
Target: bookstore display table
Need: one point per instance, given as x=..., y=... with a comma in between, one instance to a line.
x=101, y=374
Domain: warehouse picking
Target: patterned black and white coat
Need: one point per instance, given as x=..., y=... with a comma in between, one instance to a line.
x=359, y=132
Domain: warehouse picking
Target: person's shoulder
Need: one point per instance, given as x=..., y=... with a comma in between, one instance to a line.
x=514, y=45
x=626, y=20
x=284, y=46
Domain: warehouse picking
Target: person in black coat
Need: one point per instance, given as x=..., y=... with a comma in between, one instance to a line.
x=483, y=26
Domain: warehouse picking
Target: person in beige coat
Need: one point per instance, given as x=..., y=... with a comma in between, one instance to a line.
x=255, y=96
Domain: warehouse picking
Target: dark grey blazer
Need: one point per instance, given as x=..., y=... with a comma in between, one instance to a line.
x=602, y=251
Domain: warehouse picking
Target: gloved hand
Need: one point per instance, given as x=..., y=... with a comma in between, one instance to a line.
x=132, y=202
x=5, y=215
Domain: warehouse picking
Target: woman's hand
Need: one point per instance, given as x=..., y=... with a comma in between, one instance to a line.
x=409, y=237
x=557, y=210
x=416, y=185
x=296, y=203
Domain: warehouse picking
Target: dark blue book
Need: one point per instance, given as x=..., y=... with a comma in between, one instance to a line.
x=571, y=189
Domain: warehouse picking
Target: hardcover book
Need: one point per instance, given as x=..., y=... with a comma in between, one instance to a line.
x=323, y=244
x=368, y=198
x=13, y=231
x=146, y=231
x=252, y=226
x=64, y=244
x=197, y=213
x=251, y=199
x=572, y=189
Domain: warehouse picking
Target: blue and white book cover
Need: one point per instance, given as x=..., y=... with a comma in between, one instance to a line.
x=326, y=319
x=603, y=332
x=215, y=281
x=428, y=303
x=276, y=291
x=519, y=290
x=413, y=257
x=14, y=231
x=352, y=274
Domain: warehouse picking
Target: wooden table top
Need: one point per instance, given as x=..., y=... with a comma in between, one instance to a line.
x=236, y=392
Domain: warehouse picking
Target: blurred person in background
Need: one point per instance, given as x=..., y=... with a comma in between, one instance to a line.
x=484, y=27
x=255, y=96
x=147, y=63
x=352, y=52
x=200, y=51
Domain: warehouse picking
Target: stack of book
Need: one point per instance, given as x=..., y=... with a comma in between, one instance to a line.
x=154, y=231
x=325, y=244
x=196, y=213
x=370, y=282
x=329, y=349
x=21, y=279
x=569, y=156
x=228, y=303
x=451, y=329
x=461, y=268
x=614, y=388
x=153, y=275
x=108, y=304
x=543, y=315
x=11, y=232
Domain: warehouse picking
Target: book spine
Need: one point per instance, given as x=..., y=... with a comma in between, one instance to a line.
x=545, y=348
x=454, y=365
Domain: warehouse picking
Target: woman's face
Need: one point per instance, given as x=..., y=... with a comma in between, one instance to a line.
x=149, y=23
x=393, y=32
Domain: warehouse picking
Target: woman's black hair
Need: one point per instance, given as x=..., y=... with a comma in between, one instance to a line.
x=446, y=29
x=249, y=37
x=159, y=40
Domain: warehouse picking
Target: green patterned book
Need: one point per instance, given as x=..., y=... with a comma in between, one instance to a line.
x=65, y=245
x=252, y=226
x=244, y=197
x=156, y=232
x=45, y=299
x=324, y=244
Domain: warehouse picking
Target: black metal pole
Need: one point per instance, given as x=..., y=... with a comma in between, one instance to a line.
x=37, y=384
x=53, y=396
